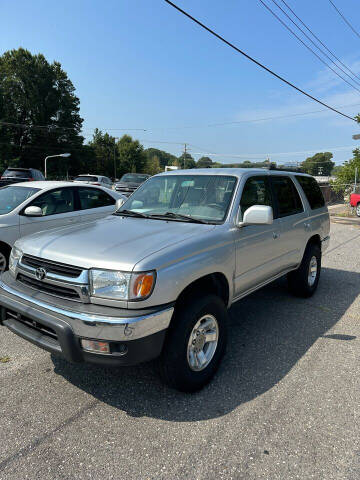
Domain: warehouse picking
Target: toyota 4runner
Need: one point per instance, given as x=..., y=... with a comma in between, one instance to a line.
x=156, y=278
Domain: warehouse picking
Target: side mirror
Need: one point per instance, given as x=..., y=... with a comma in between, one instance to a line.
x=33, y=211
x=119, y=203
x=257, y=215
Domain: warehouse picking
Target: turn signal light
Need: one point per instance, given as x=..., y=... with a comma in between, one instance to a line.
x=143, y=285
x=95, y=346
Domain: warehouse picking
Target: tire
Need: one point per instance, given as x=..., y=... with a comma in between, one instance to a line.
x=302, y=282
x=357, y=209
x=180, y=367
x=4, y=260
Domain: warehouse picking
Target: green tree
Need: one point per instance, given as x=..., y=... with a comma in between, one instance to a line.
x=346, y=175
x=318, y=164
x=131, y=155
x=186, y=161
x=204, y=162
x=105, y=154
x=152, y=165
x=39, y=98
x=165, y=158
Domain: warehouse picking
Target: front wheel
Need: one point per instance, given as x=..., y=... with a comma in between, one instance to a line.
x=304, y=281
x=4, y=261
x=195, y=344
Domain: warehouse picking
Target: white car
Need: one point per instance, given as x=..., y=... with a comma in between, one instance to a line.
x=99, y=180
x=30, y=207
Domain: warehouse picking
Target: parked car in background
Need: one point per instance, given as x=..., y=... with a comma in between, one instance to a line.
x=16, y=175
x=28, y=208
x=129, y=182
x=156, y=278
x=355, y=201
x=99, y=180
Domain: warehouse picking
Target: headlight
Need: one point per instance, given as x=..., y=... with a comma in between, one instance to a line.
x=121, y=285
x=15, y=256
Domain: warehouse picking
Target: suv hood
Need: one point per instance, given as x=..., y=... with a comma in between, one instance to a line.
x=114, y=242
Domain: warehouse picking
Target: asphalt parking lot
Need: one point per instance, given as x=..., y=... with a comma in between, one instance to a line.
x=284, y=405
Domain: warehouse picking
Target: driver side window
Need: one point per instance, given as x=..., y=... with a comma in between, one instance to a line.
x=55, y=202
x=256, y=191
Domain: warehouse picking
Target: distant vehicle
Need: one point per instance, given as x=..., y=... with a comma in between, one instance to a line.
x=129, y=182
x=29, y=208
x=355, y=201
x=99, y=180
x=16, y=175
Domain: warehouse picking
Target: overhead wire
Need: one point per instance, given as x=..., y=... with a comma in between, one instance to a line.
x=345, y=19
x=249, y=57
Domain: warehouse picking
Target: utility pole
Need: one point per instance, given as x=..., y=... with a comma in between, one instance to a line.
x=184, y=154
x=115, y=138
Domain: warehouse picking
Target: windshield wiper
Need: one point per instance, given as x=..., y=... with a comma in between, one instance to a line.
x=131, y=213
x=178, y=216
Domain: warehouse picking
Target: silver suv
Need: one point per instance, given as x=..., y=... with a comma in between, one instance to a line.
x=156, y=278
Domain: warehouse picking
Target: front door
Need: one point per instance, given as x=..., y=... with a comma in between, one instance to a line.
x=58, y=209
x=258, y=253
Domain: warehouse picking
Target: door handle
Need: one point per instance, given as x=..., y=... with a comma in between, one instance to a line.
x=307, y=225
x=275, y=235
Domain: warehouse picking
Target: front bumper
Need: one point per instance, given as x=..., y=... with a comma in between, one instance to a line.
x=133, y=338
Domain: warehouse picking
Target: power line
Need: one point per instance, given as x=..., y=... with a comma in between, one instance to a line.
x=344, y=18
x=56, y=127
x=256, y=62
x=305, y=44
x=318, y=39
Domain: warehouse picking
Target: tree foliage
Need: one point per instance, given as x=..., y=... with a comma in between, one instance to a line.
x=40, y=99
x=204, y=162
x=186, y=161
x=131, y=155
x=164, y=158
x=346, y=175
x=318, y=164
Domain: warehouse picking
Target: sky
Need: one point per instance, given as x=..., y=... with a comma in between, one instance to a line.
x=140, y=67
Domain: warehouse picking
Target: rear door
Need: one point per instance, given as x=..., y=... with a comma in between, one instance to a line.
x=94, y=203
x=58, y=207
x=290, y=209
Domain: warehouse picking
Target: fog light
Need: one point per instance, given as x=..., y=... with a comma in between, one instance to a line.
x=95, y=346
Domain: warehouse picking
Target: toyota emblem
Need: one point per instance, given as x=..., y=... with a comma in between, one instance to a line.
x=40, y=273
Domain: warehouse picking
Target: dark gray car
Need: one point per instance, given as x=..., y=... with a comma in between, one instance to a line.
x=130, y=182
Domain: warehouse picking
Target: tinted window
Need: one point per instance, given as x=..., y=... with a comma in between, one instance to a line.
x=85, y=178
x=12, y=197
x=94, y=198
x=9, y=172
x=56, y=201
x=133, y=178
x=288, y=199
x=256, y=192
x=312, y=191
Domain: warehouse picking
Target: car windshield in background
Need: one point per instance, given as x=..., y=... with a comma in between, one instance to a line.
x=198, y=197
x=86, y=178
x=9, y=173
x=133, y=178
x=11, y=197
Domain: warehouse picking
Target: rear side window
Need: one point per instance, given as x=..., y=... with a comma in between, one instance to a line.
x=10, y=173
x=286, y=195
x=256, y=192
x=312, y=191
x=94, y=198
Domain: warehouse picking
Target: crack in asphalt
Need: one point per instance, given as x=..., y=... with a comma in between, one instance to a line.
x=26, y=450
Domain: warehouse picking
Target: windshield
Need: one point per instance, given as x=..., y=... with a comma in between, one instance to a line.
x=203, y=197
x=11, y=197
x=86, y=178
x=16, y=173
x=133, y=178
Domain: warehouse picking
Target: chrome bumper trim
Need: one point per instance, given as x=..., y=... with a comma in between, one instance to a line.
x=99, y=326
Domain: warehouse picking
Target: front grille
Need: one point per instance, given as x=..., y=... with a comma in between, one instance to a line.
x=34, y=325
x=49, y=288
x=51, y=267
